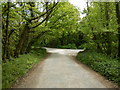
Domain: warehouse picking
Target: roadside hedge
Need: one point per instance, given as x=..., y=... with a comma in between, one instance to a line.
x=69, y=46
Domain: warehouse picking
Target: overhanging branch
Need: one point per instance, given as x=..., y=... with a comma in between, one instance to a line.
x=46, y=16
x=45, y=12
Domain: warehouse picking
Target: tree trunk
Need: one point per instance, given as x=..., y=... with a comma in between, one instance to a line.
x=118, y=20
x=6, y=41
x=26, y=41
x=107, y=26
x=21, y=42
x=34, y=40
x=46, y=6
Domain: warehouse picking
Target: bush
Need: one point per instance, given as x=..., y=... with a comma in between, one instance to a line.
x=101, y=63
x=39, y=51
x=88, y=46
x=18, y=67
x=69, y=46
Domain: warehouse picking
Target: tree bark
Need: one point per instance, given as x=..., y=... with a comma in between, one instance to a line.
x=6, y=41
x=107, y=26
x=21, y=41
x=118, y=21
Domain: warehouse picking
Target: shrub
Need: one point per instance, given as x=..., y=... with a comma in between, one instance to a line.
x=69, y=46
x=88, y=46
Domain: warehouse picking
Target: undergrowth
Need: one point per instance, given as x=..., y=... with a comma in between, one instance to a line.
x=69, y=46
x=101, y=63
x=14, y=69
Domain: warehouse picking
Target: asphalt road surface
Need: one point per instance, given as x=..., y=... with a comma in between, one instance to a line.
x=60, y=70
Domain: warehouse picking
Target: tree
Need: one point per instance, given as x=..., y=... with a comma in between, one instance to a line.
x=20, y=20
x=5, y=38
x=118, y=21
x=64, y=24
x=100, y=26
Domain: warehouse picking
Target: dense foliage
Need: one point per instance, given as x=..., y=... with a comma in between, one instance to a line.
x=58, y=24
x=101, y=27
x=26, y=25
x=21, y=26
x=65, y=23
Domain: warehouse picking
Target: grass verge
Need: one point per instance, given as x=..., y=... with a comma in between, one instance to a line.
x=18, y=67
x=101, y=63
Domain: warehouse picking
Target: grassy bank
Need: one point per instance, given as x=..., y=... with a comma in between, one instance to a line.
x=101, y=63
x=18, y=67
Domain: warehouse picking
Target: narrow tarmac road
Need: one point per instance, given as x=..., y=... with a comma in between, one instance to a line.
x=60, y=70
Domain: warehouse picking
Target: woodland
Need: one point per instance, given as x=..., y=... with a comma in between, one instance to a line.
x=28, y=26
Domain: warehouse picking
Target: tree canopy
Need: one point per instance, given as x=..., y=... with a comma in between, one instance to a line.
x=58, y=24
